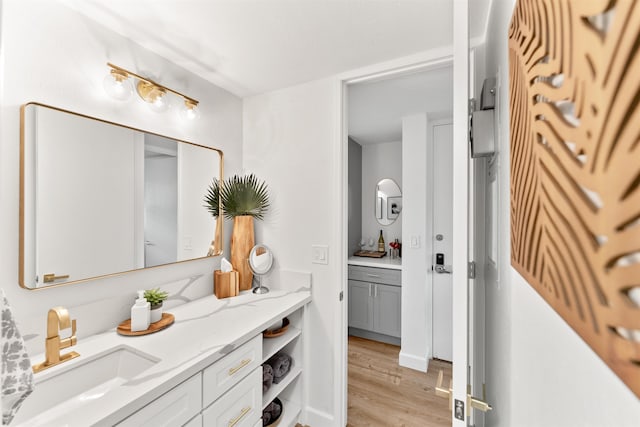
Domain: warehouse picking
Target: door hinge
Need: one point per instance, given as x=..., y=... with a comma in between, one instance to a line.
x=471, y=270
x=341, y=295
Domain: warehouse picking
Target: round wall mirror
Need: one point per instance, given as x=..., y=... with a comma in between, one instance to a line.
x=388, y=200
x=260, y=261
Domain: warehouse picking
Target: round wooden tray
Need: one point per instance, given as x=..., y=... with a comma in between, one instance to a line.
x=277, y=332
x=167, y=320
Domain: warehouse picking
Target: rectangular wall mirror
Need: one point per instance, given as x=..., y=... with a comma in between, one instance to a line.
x=98, y=198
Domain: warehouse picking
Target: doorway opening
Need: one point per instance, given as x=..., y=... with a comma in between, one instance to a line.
x=399, y=142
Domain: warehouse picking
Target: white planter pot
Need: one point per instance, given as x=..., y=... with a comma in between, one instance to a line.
x=156, y=314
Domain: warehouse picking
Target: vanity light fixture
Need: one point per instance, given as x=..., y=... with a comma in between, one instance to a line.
x=118, y=85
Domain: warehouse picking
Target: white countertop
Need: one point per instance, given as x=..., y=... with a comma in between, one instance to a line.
x=384, y=262
x=204, y=331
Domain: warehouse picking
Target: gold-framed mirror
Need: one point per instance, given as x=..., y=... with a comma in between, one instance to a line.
x=98, y=198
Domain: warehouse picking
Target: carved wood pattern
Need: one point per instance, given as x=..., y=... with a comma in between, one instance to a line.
x=575, y=167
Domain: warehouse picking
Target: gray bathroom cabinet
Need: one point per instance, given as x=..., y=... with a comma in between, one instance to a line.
x=374, y=303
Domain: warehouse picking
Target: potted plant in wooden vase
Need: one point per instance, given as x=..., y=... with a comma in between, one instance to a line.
x=155, y=297
x=243, y=199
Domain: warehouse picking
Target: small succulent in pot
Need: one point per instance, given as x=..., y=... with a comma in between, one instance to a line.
x=155, y=297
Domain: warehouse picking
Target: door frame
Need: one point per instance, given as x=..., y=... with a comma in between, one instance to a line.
x=425, y=61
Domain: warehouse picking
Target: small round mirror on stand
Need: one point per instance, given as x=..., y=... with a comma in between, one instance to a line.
x=260, y=261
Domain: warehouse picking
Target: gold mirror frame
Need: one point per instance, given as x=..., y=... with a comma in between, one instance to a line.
x=214, y=250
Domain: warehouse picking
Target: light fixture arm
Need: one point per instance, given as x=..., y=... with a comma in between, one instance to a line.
x=187, y=99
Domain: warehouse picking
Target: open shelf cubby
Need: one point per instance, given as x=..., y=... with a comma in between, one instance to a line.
x=276, y=389
x=289, y=389
x=271, y=346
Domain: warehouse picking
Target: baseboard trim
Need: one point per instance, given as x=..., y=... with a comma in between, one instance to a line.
x=414, y=362
x=316, y=418
x=374, y=336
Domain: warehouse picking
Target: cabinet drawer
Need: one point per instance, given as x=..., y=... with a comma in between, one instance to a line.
x=239, y=407
x=226, y=372
x=375, y=275
x=173, y=408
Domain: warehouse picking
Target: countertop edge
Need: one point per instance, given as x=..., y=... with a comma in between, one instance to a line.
x=392, y=264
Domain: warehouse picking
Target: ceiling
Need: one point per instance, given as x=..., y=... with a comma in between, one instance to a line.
x=376, y=109
x=254, y=46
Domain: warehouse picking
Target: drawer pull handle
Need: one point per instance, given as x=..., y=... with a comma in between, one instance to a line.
x=237, y=419
x=372, y=275
x=241, y=365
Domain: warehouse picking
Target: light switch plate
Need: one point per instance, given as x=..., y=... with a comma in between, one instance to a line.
x=414, y=242
x=320, y=254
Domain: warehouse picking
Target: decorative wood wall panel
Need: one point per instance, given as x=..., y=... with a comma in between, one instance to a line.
x=575, y=167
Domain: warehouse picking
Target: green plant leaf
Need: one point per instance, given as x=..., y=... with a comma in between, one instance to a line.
x=244, y=195
x=155, y=296
x=212, y=198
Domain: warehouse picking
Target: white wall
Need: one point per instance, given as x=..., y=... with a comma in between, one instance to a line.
x=539, y=371
x=416, y=283
x=380, y=161
x=287, y=142
x=51, y=54
x=292, y=138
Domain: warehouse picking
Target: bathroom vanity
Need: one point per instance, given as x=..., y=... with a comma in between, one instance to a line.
x=204, y=370
x=375, y=290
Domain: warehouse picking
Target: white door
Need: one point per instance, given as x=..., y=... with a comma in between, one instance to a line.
x=160, y=209
x=464, y=301
x=460, y=191
x=442, y=209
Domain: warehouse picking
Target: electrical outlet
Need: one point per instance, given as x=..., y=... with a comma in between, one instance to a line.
x=320, y=254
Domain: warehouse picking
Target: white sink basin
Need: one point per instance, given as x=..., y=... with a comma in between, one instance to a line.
x=63, y=388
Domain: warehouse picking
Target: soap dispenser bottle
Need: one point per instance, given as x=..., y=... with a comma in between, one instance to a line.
x=140, y=314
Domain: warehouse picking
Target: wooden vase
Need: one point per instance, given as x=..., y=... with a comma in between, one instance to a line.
x=242, y=241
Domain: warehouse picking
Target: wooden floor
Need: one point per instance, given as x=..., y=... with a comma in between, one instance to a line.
x=381, y=393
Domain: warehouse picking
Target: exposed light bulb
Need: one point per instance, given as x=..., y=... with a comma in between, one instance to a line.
x=118, y=85
x=159, y=104
x=190, y=110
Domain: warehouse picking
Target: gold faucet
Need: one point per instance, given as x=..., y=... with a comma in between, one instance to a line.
x=57, y=319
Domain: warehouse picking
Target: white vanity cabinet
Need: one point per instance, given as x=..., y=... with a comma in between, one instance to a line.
x=240, y=406
x=375, y=303
x=206, y=368
x=174, y=408
x=228, y=392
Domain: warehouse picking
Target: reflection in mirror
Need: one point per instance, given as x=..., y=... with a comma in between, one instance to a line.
x=260, y=261
x=388, y=200
x=99, y=199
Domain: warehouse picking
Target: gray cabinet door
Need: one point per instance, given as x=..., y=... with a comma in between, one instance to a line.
x=360, y=305
x=386, y=309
